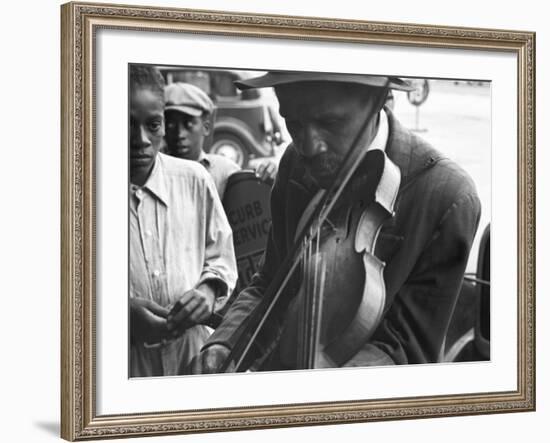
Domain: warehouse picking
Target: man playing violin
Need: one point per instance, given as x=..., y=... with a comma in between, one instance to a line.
x=424, y=246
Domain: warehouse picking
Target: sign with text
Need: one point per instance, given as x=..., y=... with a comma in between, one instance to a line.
x=246, y=203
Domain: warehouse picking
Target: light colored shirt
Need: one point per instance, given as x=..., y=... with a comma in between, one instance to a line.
x=179, y=238
x=220, y=168
x=380, y=140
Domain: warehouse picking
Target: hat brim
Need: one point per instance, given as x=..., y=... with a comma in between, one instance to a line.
x=272, y=79
x=189, y=110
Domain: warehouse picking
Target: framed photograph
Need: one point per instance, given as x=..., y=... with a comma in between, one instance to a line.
x=277, y=221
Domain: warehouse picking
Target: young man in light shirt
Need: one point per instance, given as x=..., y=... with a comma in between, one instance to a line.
x=182, y=262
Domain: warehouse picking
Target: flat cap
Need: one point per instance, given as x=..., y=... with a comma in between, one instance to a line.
x=274, y=78
x=187, y=98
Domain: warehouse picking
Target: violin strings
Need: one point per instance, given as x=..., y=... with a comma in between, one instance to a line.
x=319, y=313
x=314, y=302
x=303, y=311
x=310, y=300
x=302, y=303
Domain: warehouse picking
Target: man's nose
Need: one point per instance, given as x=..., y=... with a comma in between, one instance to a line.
x=311, y=143
x=182, y=130
x=140, y=138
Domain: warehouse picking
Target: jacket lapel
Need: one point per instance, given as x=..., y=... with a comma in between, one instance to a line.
x=410, y=153
x=298, y=199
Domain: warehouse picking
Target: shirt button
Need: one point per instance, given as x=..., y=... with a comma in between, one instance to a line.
x=148, y=233
x=139, y=193
x=156, y=272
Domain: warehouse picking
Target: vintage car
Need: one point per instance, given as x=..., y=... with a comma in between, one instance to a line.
x=247, y=125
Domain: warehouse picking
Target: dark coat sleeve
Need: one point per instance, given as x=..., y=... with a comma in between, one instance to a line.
x=424, y=278
x=232, y=327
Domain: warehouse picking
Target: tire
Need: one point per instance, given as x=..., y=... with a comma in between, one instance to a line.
x=232, y=147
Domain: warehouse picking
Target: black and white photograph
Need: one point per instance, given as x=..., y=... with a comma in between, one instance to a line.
x=293, y=220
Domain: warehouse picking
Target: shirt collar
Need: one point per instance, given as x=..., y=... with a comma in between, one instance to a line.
x=156, y=183
x=204, y=160
x=381, y=138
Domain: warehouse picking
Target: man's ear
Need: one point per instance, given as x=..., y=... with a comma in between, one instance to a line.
x=206, y=125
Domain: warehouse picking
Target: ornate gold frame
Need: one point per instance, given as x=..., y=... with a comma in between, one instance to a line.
x=78, y=416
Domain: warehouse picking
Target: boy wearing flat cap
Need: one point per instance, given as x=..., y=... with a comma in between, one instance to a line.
x=424, y=246
x=188, y=113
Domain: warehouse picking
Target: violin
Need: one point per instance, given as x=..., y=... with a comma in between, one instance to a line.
x=341, y=298
x=342, y=293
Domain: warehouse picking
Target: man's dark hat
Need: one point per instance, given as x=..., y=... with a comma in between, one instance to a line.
x=280, y=78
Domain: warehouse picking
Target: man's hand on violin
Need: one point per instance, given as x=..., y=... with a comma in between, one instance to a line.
x=147, y=321
x=194, y=307
x=209, y=360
